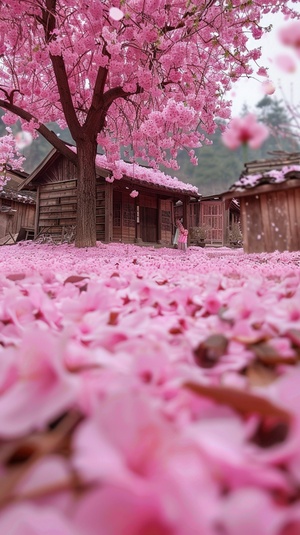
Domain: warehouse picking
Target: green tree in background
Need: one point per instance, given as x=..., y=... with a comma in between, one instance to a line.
x=273, y=113
x=217, y=167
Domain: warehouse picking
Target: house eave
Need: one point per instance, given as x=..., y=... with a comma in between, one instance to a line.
x=292, y=183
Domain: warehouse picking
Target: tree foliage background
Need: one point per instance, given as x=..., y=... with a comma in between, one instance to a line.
x=218, y=166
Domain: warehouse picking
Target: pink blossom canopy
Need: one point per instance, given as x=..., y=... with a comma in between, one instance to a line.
x=156, y=73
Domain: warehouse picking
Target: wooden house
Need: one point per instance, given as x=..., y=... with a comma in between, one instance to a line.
x=269, y=195
x=138, y=208
x=17, y=210
x=213, y=218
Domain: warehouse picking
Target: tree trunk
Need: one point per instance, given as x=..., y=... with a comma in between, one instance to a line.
x=86, y=194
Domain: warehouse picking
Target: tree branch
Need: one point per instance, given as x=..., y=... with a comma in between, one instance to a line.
x=48, y=21
x=118, y=92
x=42, y=129
x=65, y=95
x=97, y=115
x=96, y=110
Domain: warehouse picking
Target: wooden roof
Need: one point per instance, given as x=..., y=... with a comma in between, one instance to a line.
x=231, y=204
x=27, y=197
x=278, y=160
x=15, y=178
x=263, y=176
x=10, y=191
x=33, y=177
x=134, y=173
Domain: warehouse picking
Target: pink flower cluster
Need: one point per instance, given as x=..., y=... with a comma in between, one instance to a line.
x=147, y=392
x=134, y=193
x=10, y=158
x=289, y=35
x=245, y=131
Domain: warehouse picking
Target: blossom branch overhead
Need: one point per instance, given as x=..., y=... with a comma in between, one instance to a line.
x=142, y=51
x=10, y=157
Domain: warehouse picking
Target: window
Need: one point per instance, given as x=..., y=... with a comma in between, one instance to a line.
x=128, y=215
x=6, y=202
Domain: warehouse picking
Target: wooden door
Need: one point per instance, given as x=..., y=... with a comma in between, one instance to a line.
x=212, y=220
x=148, y=223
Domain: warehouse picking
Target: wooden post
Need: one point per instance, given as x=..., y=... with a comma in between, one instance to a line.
x=185, y=215
x=159, y=220
x=244, y=225
x=185, y=206
x=225, y=214
x=108, y=213
x=138, y=238
x=37, y=213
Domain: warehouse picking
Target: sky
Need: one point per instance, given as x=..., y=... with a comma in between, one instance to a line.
x=250, y=91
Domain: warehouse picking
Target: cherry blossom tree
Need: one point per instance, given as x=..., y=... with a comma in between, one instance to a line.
x=10, y=158
x=146, y=75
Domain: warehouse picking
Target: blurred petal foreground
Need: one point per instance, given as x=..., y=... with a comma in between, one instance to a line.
x=149, y=391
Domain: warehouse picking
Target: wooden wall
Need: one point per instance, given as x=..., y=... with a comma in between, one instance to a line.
x=128, y=219
x=56, y=208
x=100, y=211
x=4, y=218
x=56, y=199
x=145, y=218
x=213, y=219
x=194, y=214
x=59, y=170
x=271, y=221
x=22, y=217
x=124, y=217
x=119, y=217
x=210, y=214
x=167, y=218
x=148, y=207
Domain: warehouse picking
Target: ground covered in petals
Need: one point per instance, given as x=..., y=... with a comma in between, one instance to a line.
x=149, y=391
